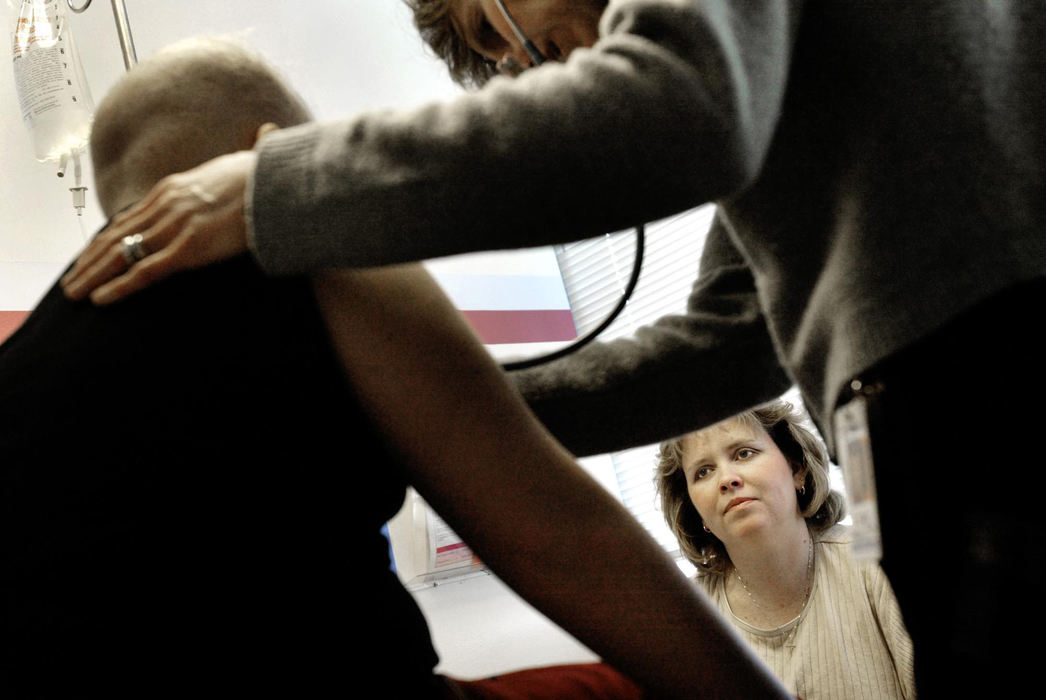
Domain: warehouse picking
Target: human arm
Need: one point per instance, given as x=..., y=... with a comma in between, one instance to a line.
x=671, y=377
x=675, y=106
x=476, y=454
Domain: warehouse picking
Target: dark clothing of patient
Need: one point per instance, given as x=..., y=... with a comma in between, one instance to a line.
x=191, y=501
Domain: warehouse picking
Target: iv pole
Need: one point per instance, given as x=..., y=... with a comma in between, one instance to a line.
x=123, y=29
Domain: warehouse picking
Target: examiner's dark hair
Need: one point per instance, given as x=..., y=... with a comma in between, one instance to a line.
x=820, y=505
x=439, y=30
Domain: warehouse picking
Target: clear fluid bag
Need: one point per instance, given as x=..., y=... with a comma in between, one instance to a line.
x=52, y=90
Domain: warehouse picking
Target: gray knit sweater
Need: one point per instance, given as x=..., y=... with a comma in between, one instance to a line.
x=879, y=166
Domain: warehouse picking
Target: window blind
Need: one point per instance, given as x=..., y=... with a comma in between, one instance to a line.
x=595, y=273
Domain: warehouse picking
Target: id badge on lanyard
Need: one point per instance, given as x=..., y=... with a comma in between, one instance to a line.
x=854, y=445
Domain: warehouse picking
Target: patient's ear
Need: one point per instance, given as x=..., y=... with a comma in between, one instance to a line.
x=264, y=129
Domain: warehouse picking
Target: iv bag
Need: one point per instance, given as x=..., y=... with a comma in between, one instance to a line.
x=52, y=89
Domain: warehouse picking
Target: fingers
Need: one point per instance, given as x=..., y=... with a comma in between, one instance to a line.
x=150, y=270
x=99, y=260
x=108, y=258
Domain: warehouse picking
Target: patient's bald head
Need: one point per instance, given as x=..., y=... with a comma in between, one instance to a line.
x=188, y=103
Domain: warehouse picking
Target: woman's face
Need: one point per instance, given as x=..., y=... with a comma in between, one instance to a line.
x=739, y=481
x=556, y=27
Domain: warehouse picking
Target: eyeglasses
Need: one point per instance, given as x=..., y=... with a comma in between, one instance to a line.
x=509, y=64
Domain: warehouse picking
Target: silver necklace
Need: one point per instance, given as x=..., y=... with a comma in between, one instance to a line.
x=809, y=580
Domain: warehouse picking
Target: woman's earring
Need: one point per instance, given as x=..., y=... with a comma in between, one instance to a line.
x=707, y=556
x=802, y=490
x=706, y=529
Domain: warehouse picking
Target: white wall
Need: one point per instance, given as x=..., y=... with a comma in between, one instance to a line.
x=343, y=56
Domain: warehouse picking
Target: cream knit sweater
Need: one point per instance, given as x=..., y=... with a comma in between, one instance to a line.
x=849, y=642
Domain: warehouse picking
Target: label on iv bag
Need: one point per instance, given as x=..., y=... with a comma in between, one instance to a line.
x=854, y=445
x=52, y=91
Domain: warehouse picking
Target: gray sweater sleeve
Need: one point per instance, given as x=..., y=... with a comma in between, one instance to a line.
x=673, y=107
x=676, y=375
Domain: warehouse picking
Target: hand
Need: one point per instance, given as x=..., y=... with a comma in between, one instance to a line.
x=188, y=220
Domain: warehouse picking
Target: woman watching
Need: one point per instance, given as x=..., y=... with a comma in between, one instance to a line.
x=750, y=502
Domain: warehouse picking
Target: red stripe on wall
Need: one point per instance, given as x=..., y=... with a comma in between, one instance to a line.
x=522, y=326
x=493, y=327
x=10, y=321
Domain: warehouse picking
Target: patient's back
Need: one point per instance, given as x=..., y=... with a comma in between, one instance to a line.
x=185, y=494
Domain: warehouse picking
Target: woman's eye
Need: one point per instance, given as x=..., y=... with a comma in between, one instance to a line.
x=701, y=473
x=746, y=453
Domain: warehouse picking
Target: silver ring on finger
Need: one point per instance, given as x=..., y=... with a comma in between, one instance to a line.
x=132, y=248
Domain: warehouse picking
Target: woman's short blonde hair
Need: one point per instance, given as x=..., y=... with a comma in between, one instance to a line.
x=819, y=504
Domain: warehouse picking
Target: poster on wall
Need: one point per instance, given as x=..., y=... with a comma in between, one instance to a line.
x=515, y=301
x=426, y=551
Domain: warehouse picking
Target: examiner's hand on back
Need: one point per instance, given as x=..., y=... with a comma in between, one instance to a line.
x=186, y=221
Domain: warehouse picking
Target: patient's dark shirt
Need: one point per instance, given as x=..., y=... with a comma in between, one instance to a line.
x=190, y=500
